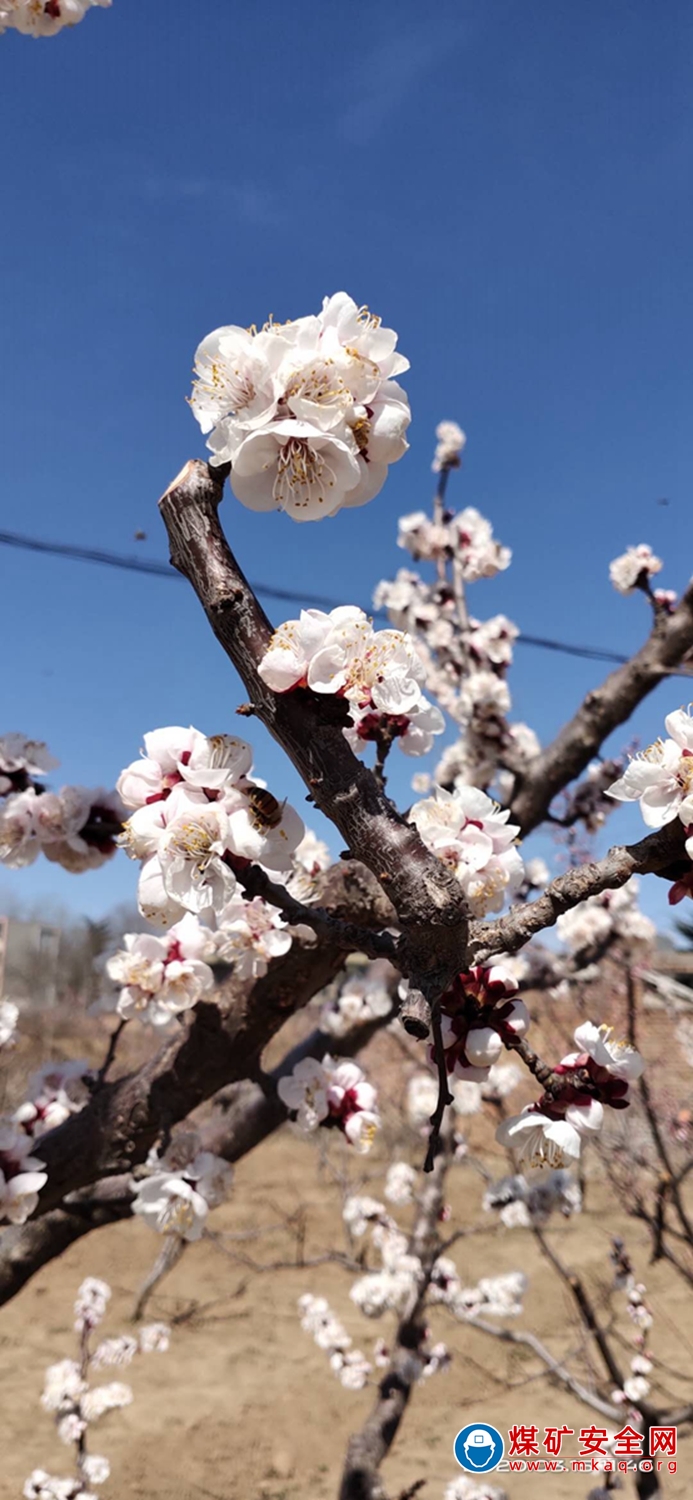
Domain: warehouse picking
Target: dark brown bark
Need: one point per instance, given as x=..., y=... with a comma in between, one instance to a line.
x=222, y=1045
x=248, y=1113
x=308, y=726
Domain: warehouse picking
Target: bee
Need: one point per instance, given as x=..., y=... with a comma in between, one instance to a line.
x=267, y=811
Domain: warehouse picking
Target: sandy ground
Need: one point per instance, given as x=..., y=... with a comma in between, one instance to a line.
x=243, y=1405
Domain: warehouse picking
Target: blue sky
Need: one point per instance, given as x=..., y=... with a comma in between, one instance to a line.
x=507, y=184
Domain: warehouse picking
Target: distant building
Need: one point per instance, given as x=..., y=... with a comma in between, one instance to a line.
x=29, y=959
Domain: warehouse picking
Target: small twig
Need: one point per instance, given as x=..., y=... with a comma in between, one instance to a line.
x=415, y=1015
x=347, y=935
x=168, y=1257
x=110, y=1052
x=444, y=1095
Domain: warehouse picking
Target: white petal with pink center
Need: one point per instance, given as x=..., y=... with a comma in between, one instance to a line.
x=540, y=1141
x=191, y=853
x=251, y=838
x=622, y=1060
x=661, y=777
x=294, y=467
x=158, y=770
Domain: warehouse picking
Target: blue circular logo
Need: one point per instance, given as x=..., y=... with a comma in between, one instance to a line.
x=479, y=1448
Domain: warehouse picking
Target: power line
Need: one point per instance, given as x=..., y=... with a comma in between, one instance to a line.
x=268, y=590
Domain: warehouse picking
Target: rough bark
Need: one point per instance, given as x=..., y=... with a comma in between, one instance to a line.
x=308, y=726
x=248, y=1113
x=222, y=1044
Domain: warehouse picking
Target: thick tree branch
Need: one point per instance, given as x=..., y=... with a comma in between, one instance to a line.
x=308, y=726
x=221, y=1045
x=660, y=853
x=668, y=643
x=248, y=1113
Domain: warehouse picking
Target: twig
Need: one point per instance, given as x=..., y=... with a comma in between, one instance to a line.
x=444, y=1095
x=345, y=935
x=604, y=708
x=110, y=1052
x=168, y=1257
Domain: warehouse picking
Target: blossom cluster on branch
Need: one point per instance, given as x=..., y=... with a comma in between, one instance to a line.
x=599, y=1073
x=334, y=1095
x=39, y=18
x=307, y=412
x=75, y=828
x=76, y=1403
x=178, y=1190
x=378, y=673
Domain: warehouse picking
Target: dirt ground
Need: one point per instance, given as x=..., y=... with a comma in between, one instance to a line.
x=244, y=1405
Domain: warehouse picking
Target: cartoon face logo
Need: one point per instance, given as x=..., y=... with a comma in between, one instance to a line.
x=479, y=1448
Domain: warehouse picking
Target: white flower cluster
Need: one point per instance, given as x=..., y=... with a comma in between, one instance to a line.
x=21, y=1175
x=161, y=977
x=197, y=810
x=636, y=1388
x=612, y=914
x=661, y=780
x=21, y=761
x=400, y=1183
x=56, y=1091
x=349, y=1364
x=467, y=538
x=75, y=828
x=332, y=1094
x=451, y=441
x=361, y=1213
x=521, y=1201
x=389, y=1288
x=307, y=412
x=362, y=998
x=378, y=672
x=550, y=1133
x=471, y=834
x=633, y=568
x=249, y=934
x=493, y=1296
x=177, y=1199
x=76, y=1404
x=43, y=17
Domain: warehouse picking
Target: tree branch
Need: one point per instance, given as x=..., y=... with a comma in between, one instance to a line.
x=607, y=706
x=308, y=726
x=660, y=853
x=221, y=1045
x=368, y=1448
x=248, y=1113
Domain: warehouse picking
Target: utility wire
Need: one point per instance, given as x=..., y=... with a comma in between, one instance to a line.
x=268, y=590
